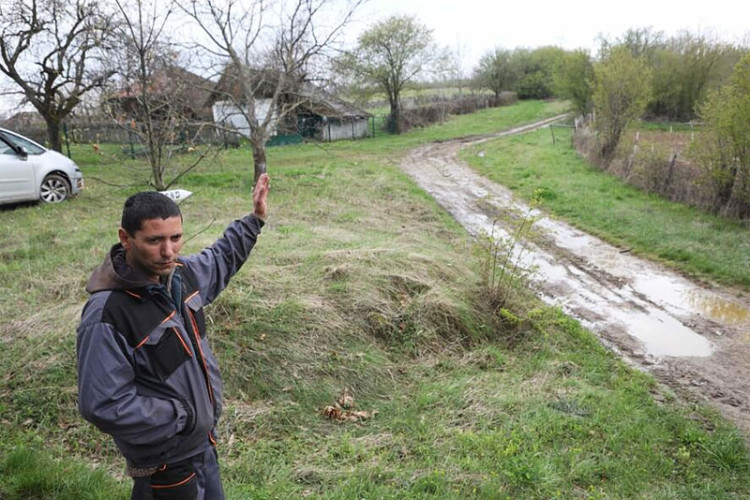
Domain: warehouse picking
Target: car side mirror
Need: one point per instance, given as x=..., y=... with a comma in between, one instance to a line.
x=22, y=152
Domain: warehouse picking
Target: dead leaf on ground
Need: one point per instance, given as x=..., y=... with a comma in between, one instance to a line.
x=336, y=413
x=332, y=412
x=346, y=400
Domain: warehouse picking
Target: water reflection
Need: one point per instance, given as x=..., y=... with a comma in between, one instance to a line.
x=718, y=309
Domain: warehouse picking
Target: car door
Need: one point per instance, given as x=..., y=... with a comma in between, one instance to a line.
x=16, y=174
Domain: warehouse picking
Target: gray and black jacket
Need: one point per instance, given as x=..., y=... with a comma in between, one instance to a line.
x=146, y=373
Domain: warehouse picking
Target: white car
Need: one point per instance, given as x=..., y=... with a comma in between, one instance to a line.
x=30, y=172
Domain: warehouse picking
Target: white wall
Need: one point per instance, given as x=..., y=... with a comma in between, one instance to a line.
x=229, y=113
x=346, y=130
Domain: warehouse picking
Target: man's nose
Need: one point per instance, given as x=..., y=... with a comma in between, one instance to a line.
x=168, y=249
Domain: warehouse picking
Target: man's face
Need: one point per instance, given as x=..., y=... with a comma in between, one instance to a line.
x=154, y=248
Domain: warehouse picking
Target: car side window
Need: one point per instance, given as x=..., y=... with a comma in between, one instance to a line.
x=30, y=147
x=5, y=148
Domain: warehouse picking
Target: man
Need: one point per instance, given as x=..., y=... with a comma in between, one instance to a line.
x=146, y=374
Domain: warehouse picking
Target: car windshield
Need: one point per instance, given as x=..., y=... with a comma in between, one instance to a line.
x=30, y=147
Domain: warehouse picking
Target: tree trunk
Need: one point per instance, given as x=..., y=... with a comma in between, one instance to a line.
x=394, y=124
x=725, y=189
x=155, y=154
x=258, y=145
x=53, y=133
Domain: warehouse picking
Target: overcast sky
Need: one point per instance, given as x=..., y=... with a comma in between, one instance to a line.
x=477, y=26
x=481, y=25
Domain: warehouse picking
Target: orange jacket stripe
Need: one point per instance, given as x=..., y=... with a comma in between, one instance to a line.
x=175, y=485
x=142, y=342
x=168, y=317
x=182, y=341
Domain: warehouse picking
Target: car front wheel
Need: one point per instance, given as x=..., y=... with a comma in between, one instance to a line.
x=54, y=189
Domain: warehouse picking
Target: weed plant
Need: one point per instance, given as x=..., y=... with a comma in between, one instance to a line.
x=505, y=273
x=359, y=281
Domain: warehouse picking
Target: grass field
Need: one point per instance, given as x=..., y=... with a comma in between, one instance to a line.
x=360, y=282
x=699, y=244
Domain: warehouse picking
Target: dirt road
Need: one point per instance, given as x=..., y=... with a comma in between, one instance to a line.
x=693, y=338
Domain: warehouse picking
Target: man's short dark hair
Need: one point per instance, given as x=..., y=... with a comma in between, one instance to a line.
x=147, y=205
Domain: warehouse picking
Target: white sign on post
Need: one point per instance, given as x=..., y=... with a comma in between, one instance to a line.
x=176, y=194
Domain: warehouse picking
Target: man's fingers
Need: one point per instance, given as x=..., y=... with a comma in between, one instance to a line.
x=263, y=183
x=260, y=194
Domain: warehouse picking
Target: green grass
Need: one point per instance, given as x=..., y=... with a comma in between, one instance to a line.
x=360, y=281
x=699, y=244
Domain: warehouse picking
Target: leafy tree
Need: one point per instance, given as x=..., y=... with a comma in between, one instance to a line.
x=725, y=150
x=389, y=55
x=574, y=80
x=51, y=50
x=535, y=70
x=496, y=71
x=642, y=43
x=684, y=68
x=621, y=93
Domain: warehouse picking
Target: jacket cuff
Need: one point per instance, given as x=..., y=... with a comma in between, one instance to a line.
x=261, y=220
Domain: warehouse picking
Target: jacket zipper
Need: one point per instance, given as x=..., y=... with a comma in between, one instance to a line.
x=195, y=339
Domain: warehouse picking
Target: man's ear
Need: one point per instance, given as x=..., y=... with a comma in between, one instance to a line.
x=124, y=238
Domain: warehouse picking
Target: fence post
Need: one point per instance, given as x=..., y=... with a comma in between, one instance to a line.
x=670, y=172
x=67, y=141
x=552, y=129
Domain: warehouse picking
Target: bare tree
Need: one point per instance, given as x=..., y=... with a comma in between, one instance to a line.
x=152, y=92
x=267, y=56
x=458, y=63
x=51, y=50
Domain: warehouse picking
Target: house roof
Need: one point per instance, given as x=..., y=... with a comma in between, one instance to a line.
x=167, y=79
x=311, y=98
x=322, y=103
x=23, y=119
x=183, y=87
x=263, y=82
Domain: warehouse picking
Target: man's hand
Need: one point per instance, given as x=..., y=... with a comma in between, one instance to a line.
x=260, y=196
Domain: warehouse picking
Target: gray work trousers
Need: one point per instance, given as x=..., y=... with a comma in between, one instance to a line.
x=196, y=478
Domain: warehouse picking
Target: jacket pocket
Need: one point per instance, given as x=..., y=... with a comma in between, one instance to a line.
x=175, y=482
x=194, y=304
x=168, y=353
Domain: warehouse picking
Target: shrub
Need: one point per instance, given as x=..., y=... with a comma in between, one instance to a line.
x=437, y=109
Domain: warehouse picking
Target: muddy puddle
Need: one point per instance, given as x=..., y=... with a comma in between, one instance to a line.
x=692, y=337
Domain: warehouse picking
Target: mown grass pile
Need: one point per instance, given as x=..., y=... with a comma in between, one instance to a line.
x=361, y=283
